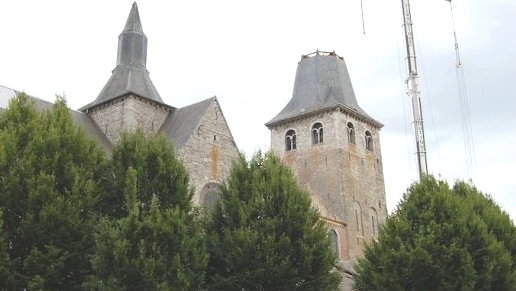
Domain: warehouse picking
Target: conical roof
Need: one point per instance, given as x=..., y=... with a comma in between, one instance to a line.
x=130, y=74
x=322, y=82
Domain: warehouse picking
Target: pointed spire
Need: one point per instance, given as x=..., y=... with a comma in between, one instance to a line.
x=133, y=21
x=130, y=74
x=132, y=42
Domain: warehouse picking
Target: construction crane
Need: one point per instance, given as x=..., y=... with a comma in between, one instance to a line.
x=462, y=94
x=413, y=91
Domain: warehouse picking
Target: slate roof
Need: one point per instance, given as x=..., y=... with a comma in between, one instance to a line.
x=182, y=123
x=92, y=130
x=131, y=77
x=322, y=82
x=178, y=127
x=130, y=74
x=81, y=119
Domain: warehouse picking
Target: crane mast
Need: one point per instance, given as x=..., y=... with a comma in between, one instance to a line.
x=413, y=92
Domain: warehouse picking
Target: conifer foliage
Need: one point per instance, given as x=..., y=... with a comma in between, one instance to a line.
x=6, y=275
x=265, y=235
x=48, y=188
x=441, y=238
x=159, y=173
x=73, y=220
x=156, y=241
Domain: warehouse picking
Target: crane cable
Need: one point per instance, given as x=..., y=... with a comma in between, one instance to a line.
x=363, y=22
x=467, y=131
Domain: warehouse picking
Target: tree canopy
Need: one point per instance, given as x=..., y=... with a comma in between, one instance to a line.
x=441, y=238
x=157, y=241
x=264, y=234
x=73, y=220
x=49, y=173
x=158, y=171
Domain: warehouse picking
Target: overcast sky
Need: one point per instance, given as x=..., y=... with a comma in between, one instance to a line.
x=246, y=53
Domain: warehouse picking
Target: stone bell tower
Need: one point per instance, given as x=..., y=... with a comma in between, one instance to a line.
x=333, y=147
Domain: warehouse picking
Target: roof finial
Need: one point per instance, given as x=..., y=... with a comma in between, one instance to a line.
x=133, y=21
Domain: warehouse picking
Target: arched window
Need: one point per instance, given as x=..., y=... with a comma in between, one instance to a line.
x=351, y=133
x=334, y=238
x=317, y=133
x=358, y=217
x=374, y=222
x=210, y=194
x=369, y=140
x=290, y=140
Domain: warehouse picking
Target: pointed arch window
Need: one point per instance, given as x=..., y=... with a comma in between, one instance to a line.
x=374, y=222
x=290, y=140
x=210, y=194
x=358, y=218
x=369, y=140
x=317, y=133
x=351, y=133
x=334, y=238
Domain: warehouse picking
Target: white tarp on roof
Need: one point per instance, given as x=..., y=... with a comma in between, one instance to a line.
x=6, y=94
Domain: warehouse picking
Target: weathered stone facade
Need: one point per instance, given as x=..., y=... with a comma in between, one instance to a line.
x=331, y=144
x=209, y=153
x=345, y=178
x=333, y=148
x=129, y=113
x=129, y=101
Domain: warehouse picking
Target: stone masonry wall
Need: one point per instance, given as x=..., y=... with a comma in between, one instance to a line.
x=209, y=152
x=345, y=179
x=129, y=113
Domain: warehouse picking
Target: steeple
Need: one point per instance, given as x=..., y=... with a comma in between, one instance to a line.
x=322, y=82
x=133, y=21
x=130, y=74
x=132, y=42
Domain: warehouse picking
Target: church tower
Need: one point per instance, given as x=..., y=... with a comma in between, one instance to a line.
x=199, y=132
x=333, y=147
x=129, y=99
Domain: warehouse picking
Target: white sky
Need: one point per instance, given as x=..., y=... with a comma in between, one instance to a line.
x=246, y=53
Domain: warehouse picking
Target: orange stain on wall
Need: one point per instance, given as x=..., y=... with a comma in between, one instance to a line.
x=215, y=162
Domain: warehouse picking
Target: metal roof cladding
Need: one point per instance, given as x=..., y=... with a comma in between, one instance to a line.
x=322, y=82
x=130, y=74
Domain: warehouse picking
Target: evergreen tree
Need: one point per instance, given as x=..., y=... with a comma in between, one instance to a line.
x=159, y=173
x=441, y=238
x=498, y=222
x=156, y=241
x=48, y=189
x=6, y=275
x=264, y=233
